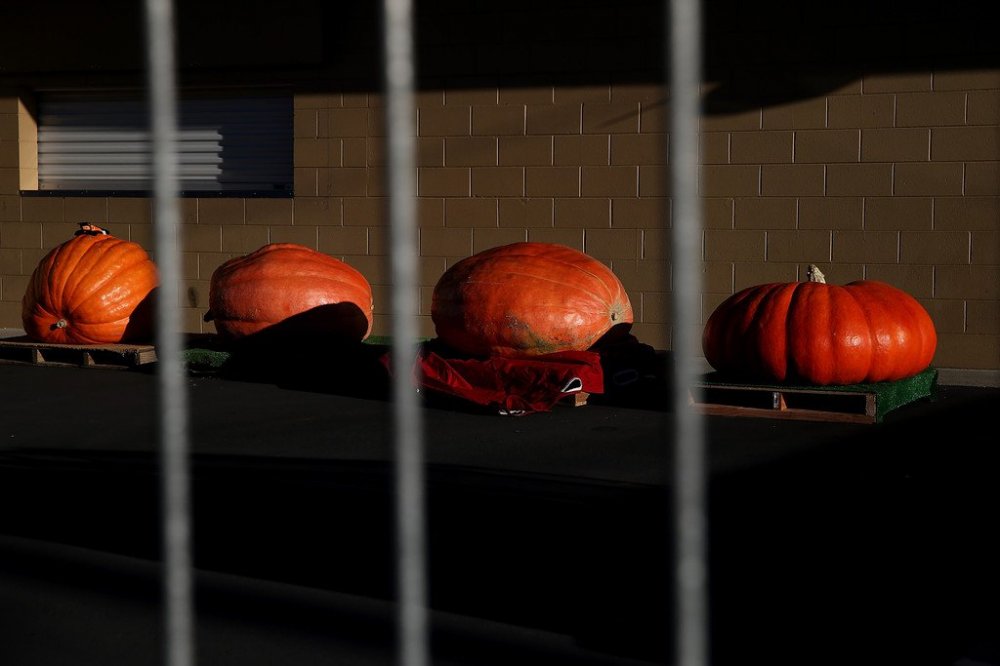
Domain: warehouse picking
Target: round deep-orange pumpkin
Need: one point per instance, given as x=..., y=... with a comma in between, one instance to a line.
x=528, y=299
x=286, y=289
x=818, y=333
x=92, y=289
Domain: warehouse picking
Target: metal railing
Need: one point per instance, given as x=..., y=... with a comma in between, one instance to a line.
x=683, y=56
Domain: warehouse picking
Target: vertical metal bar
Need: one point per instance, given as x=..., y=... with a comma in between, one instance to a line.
x=407, y=421
x=176, y=515
x=691, y=574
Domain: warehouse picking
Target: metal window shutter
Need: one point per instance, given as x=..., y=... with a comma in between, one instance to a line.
x=225, y=144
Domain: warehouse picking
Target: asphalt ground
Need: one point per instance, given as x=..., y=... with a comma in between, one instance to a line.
x=549, y=535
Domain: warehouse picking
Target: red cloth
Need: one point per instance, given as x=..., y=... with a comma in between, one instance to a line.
x=515, y=386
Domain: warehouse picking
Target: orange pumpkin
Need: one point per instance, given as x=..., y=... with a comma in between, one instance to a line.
x=818, y=333
x=92, y=289
x=287, y=289
x=528, y=299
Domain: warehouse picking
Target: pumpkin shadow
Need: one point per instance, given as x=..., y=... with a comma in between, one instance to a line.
x=141, y=327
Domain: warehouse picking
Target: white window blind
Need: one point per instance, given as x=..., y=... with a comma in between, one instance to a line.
x=236, y=144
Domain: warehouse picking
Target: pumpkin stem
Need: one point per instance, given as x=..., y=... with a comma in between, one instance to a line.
x=62, y=323
x=815, y=274
x=88, y=229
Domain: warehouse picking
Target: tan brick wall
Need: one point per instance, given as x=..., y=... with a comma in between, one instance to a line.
x=893, y=177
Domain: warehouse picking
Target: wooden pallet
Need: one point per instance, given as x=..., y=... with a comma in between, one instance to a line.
x=23, y=350
x=860, y=403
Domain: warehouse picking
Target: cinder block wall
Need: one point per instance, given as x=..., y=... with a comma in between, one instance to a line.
x=878, y=173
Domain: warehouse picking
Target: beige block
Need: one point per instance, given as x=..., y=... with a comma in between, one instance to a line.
x=655, y=244
x=930, y=109
x=551, y=181
x=13, y=288
x=831, y=213
x=483, y=238
x=766, y=147
x=863, y=111
x=31, y=257
x=653, y=308
x=498, y=181
x=525, y=151
x=801, y=114
x=430, y=152
x=443, y=182
x=654, y=117
x=142, y=234
x=965, y=143
x=470, y=151
x=646, y=213
x=725, y=180
x=445, y=242
x=87, y=209
x=899, y=213
x=460, y=95
x=375, y=269
x=973, y=352
x=42, y=209
x=317, y=211
x=638, y=92
x=966, y=213
x=948, y=315
x=751, y=119
x=635, y=149
x=207, y=263
x=580, y=150
x=714, y=148
x=765, y=213
x=10, y=261
x=364, y=212
x=642, y=276
x=10, y=208
x=470, y=212
x=734, y=245
x=506, y=120
x=216, y=211
x=201, y=237
x=305, y=235
x=593, y=213
x=315, y=100
x=804, y=247
x=10, y=155
x=718, y=213
x=752, y=274
x=269, y=211
x=430, y=212
x=569, y=237
x=859, y=180
x=243, y=238
x=537, y=95
x=896, y=145
x=827, y=146
x=342, y=241
x=585, y=93
x=343, y=123
x=982, y=317
x=967, y=79
x=430, y=269
x=379, y=243
x=616, y=118
x=356, y=151
x=305, y=123
x=21, y=235
x=982, y=179
x=187, y=210
x=10, y=181
x=655, y=335
x=608, y=244
x=935, y=247
x=792, y=180
x=553, y=119
x=928, y=179
x=918, y=281
x=306, y=181
x=985, y=247
x=312, y=152
x=56, y=233
x=897, y=82
x=865, y=247
x=525, y=213
x=983, y=108
x=617, y=181
x=444, y=121
x=717, y=277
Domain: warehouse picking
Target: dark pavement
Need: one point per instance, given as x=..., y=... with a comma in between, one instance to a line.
x=549, y=534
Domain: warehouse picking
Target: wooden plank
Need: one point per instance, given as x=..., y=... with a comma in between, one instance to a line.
x=785, y=403
x=112, y=356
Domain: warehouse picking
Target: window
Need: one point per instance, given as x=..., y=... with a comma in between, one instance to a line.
x=100, y=143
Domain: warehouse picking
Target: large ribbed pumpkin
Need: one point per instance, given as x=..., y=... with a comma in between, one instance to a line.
x=527, y=299
x=288, y=289
x=92, y=289
x=818, y=333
